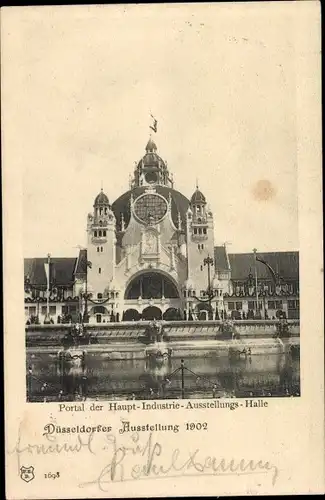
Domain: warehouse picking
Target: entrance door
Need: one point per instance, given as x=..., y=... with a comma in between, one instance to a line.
x=98, y=318
x=151, y=313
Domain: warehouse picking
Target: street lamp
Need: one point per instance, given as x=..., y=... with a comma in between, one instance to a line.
x=257, y=303
x=208, y=261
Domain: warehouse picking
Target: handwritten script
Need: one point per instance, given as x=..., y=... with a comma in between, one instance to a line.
x=149, y=460
x=144, y=458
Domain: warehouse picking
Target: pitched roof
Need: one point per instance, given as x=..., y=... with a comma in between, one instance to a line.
x=220, y=258
x=62, y=270
x=284, y=263
x=81, y=265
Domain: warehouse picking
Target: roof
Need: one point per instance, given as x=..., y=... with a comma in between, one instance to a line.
x=101, y=199
x=198, y=197
x=284, y=263
x=62, y=270
x=220, y=258
x=81, y=264
x=179, y=203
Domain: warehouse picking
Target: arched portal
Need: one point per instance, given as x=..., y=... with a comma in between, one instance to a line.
x=203, y=311
x=131, y=315
x=151, y=285
x=171, y=314
x=150, y=313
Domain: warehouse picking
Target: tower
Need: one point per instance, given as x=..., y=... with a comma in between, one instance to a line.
x=101, y=245
x=151, y=169
x=200, y=241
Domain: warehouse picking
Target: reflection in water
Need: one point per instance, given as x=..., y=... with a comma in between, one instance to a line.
x=93, y=375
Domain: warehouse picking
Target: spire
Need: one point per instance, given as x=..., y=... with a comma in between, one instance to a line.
x=179, y=221
x=151, y=146
x=122, y=222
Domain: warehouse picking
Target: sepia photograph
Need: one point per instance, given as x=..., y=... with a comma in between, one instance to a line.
x=163, y=265
x=161, y=251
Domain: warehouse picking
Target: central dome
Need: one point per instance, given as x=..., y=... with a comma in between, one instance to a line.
x=122, y=205
x=151, y=158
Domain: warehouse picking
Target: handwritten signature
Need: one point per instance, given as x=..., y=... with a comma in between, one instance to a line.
x=143, y=460
x=121, y=467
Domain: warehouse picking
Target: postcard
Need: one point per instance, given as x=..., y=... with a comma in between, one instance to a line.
x=163, y=272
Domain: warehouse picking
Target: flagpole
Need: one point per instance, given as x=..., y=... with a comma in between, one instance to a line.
x=257, y=304
x=47, y=317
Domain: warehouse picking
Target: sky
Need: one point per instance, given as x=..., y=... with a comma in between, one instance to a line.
x=220, y=80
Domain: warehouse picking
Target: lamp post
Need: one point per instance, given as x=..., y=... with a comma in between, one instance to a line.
x=257, y=303
x=47, y=318
x=208, y=261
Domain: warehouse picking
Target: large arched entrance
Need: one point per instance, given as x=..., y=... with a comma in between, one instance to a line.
x=151, y=285
x=131, y=315
x=151, y=313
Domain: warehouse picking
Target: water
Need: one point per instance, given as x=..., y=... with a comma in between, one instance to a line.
x=205, y=375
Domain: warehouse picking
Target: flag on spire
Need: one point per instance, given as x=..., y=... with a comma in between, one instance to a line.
x=154, y=125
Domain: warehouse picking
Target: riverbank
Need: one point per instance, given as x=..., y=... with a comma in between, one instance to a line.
x=134, y=332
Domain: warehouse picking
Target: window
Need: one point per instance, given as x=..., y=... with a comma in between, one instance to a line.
x=52, y=310
x=43, y=310
x=104, y=233
x=271, y=304
x=195, y=230
x=95, y=234
x=184, y=293
x=231, y=306
x=202, y=246
x=99, y=270
x=105, y=210
x=99, y=295
x=100, y=211
x=199, y=247
x=200, y=231
x=194, y=293
x=204, y=231
x=293, y=304
x=252, y=304
x=97, y=249
x=99, y=234
x=32, y=311
x=101, y=249
x=72, y=308
x=278, y=304
x=239, y=306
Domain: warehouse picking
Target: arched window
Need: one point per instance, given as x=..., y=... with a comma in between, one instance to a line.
x=99, y=233
x=97, y=249
x=95, y=234
x=204, y=230
x=151, y=286
x=99, y=270
x=104, y=233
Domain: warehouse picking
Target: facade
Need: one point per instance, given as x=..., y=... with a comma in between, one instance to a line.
x=151, y=255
